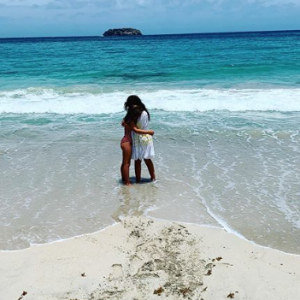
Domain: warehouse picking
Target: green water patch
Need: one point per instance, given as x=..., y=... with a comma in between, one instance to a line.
x=37, y=121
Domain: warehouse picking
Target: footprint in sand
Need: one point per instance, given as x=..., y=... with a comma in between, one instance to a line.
x=117, y=272
x=135, y=264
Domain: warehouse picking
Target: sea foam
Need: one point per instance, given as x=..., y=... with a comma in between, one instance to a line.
x=34, y=100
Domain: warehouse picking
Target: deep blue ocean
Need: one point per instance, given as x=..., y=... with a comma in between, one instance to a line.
x=225, y=108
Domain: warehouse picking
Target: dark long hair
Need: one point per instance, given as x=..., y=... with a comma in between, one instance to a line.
x=135, y=100
x=133, y=113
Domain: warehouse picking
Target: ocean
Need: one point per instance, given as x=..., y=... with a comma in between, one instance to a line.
x=225, y=108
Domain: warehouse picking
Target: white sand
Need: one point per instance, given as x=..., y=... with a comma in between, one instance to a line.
x=149, y=259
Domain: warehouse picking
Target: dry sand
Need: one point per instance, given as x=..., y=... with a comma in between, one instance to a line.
x=142, y=258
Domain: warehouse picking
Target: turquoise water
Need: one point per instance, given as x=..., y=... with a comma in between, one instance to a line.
x=225, y=109
x=222, y=60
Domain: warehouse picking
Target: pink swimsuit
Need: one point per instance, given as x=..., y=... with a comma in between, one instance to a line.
x=127, y=136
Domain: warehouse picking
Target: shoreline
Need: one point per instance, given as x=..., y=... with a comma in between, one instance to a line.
x=115, y=223
x=226, y=230
x=144, y=257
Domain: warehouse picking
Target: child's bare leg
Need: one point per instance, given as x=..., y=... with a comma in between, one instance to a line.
x=122, y=175
x=138, y=170
x=150, y=167
x=126, y=148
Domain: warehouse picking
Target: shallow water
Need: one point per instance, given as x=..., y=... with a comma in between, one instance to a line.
x=225, y=110
x=234, y=170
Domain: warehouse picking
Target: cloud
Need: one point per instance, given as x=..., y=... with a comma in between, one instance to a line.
x=274, y=2
x=24, y=2
x=88, y=17
x=168, y=3
x=129, y=4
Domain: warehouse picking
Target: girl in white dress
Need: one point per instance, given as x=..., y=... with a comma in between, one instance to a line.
x=129, y=124
x=142, y=144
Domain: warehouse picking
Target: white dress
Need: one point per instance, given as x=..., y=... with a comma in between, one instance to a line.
x=142, y=144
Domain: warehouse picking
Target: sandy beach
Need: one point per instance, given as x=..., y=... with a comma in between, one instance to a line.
x=142, y=258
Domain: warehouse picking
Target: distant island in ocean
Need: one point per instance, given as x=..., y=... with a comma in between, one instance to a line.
x=122, y=32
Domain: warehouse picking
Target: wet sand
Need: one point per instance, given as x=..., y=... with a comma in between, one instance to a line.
x=143, y=258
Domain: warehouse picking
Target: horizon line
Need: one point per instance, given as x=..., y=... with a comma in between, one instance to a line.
x=156, y=34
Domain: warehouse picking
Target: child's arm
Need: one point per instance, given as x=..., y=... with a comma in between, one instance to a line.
x=140, y=131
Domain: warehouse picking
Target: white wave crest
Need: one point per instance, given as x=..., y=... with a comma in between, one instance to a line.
x=55, y=101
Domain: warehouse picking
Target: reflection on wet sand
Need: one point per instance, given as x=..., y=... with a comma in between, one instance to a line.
x=135, y=200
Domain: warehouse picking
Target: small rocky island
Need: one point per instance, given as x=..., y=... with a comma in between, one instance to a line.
x=122, y=32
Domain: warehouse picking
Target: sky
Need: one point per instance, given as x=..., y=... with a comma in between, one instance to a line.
x=36, y=18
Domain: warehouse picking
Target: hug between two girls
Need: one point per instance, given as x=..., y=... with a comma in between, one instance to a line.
x=137, y=142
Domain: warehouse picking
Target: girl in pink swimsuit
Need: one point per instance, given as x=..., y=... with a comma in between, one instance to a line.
x=129, y=123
